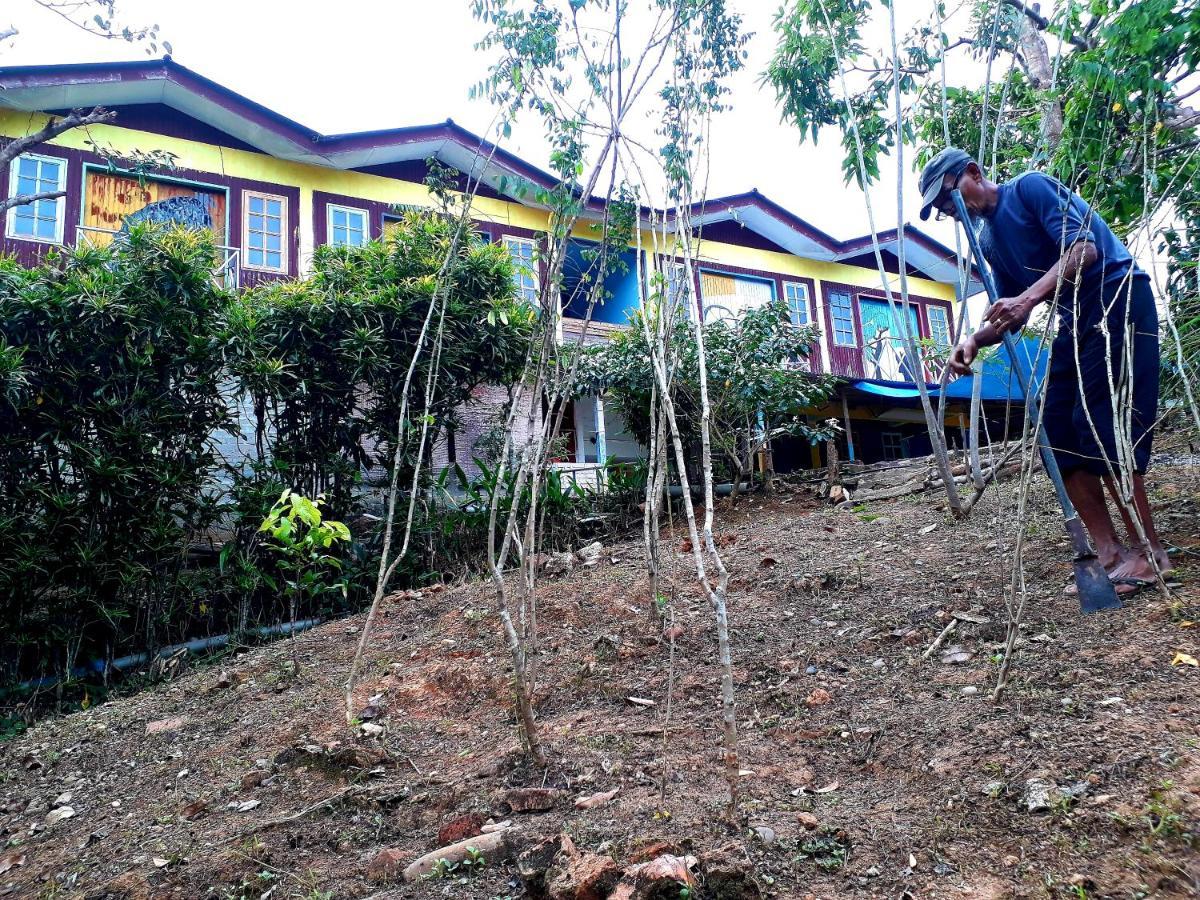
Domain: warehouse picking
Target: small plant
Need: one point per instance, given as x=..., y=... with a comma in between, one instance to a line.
x=302, y=536
x=1163, y=818
x=828, y=848
x=460, y=871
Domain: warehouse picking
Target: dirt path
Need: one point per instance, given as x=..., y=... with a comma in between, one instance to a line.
x=868, y=771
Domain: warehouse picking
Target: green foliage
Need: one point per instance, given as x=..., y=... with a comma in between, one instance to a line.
x=323, y=362
x=110, y=369
x=1116, y=83
x=755, y=368
x=303, y=537
x=120, y=367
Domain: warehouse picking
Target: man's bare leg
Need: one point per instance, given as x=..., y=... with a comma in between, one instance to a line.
x=1142, y=504
x=1087, y=493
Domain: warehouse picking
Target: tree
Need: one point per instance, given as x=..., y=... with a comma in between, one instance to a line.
x=1093, y=93
x=97, y=17
x=757, y=379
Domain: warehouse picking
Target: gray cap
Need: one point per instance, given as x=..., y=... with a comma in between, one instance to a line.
x=951, y=160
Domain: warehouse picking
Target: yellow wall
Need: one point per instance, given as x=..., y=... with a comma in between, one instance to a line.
x=308, y=178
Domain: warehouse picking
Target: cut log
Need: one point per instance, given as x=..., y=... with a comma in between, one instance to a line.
x=495, y=845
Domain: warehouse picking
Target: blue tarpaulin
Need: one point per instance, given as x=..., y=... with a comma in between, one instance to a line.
x=999, y=381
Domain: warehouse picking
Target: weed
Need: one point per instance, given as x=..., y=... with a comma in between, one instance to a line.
x=828, y=848
x=460, y=871
x=1163, y=818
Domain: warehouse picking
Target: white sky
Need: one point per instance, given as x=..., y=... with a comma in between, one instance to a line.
x=366, y=64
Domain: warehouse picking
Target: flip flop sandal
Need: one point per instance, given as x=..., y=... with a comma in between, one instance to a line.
x=1138, y=585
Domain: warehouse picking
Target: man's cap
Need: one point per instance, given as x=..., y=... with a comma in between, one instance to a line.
x=951, y=160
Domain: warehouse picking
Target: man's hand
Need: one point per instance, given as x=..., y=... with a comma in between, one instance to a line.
x=963, y=355
x=1008, y=313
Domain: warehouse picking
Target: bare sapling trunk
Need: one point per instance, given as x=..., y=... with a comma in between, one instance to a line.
x=937, y=436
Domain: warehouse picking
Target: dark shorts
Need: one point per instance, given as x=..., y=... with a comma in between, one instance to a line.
x=1088, y=369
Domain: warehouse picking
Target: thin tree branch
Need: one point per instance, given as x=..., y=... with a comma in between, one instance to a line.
x=1043, y=23
x=26, y=199
x=52, y=129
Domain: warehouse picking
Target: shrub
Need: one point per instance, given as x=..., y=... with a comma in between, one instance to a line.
x=110, y=365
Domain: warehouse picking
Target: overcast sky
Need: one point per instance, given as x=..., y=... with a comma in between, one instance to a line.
x=366, y=64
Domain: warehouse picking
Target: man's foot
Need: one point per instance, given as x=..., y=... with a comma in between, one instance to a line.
x=1164, y=561
x=1133, y=568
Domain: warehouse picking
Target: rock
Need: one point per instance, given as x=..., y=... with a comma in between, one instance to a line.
x=558, y=563
x=494, y=846
x=491, y=825
x=370, y=729
x=811, y=670
x=728, y=876
x=1011, y=860
x=533, y=862
x=59, y=814
x=969, y=691
x=532, y=800
x=878, y=664
x=872, y=872
x=165, y=726
x=386, y=865
x=818, y=697
x=63, y=799
x=807, y=820
x=581, y=876
x=765, y=833
x=194, y=810
x=1038, y=795
x=957, y=655
x=590, y=555
x=661, y=877
x=11, y=860
x=460, y=829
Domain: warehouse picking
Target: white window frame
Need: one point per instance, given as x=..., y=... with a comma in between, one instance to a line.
x=60, y=204
x=510, y=240
x=331, y=208
x=833, y=319
x=283, y=235
x=945, y=314
x=803, y=288
x=897, y=448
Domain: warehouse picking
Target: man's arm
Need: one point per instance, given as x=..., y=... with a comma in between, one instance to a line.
x=1011, y=313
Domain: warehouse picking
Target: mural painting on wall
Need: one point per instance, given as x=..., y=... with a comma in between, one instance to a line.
x=110, y=200
x=885, y=357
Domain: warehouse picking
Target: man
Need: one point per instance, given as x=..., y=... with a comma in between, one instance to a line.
x=1045, y=245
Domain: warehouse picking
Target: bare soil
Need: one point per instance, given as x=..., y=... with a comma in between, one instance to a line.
x=867, y=771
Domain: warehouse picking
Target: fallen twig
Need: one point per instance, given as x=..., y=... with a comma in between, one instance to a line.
x=275, y=823
x=937, y=641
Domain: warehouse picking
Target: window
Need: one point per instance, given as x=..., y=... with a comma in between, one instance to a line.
x=41, y=220
x=263, y=243
x=729, y=296
x=796, y=295
x=841, y=310
x=893, y=445
x=939, y=325
x=347, y=226
x=520, y=250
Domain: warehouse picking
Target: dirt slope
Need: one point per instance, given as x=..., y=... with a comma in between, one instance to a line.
x=242, y=782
